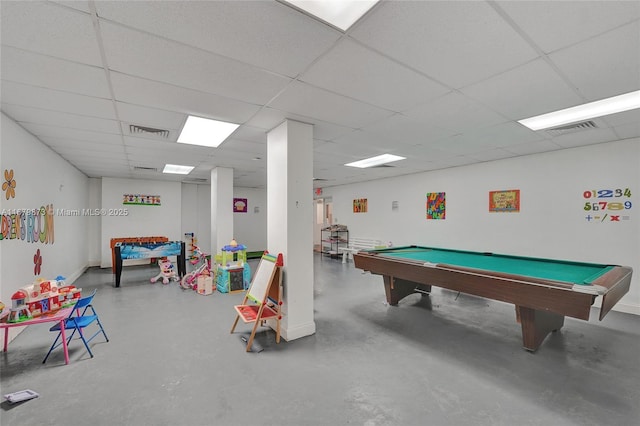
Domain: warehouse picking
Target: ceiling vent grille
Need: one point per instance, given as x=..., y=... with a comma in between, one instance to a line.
x=142, y=130
x=145, y=169
x=195, y=180
x=572, y=128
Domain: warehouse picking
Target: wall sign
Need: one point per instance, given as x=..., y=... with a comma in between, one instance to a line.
x=436, y=205
x=607, y=205
x=240, y=205
x=141, y=200
x=30, y=225
x=360, y=205
x=504, y=201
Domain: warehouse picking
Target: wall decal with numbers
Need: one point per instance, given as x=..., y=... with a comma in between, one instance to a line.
x=607, y=205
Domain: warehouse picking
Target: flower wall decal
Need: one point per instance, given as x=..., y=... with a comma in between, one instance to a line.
x=37, y=261
x=9, y=186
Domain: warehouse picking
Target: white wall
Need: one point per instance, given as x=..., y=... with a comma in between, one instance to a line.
x=551, y=222
x=196, y=213
x=140, y=221
x=42, y=178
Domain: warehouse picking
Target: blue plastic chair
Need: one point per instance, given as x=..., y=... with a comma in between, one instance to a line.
x=78, y=323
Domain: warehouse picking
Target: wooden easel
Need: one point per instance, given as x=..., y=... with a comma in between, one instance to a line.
x=263, y=299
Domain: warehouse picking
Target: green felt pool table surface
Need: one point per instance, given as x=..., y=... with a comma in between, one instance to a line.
x=550, y=269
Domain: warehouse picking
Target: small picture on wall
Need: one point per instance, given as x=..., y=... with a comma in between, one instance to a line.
x=141, y=199
x=436, y=205
x=240, y=205
x=504, y=201
x=360, y=205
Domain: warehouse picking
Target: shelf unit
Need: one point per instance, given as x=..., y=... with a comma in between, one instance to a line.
x=333, y=240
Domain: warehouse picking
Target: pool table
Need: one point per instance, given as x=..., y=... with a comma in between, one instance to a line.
x=543, y=291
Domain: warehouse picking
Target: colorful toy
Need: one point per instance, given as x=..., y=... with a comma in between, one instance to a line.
x=233, y=272
x=167, y=272
x=19, y=310
x=190, y=280
x=40, y=297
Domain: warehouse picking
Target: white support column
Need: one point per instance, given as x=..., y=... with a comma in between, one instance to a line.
x=290, y=221
x=221, y=208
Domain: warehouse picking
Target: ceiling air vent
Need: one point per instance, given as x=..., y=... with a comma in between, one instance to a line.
x=382, y=166
x=572, y=128
x=195, y=180
x=149, y=131
x=145, y=169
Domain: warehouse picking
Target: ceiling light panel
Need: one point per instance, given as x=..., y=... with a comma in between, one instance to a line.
x=205, y=132
x=375, y=161
x=341, y=14
x=625, y=102
x=177, y=169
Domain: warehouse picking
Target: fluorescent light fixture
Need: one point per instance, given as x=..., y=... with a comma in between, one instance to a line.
x=341, y=14
x=177, y=169
x=375, y=161
x=583, y=112
x=205, y=132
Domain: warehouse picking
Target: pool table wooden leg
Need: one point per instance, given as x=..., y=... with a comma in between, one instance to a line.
x=536, y=325
x=396, y=289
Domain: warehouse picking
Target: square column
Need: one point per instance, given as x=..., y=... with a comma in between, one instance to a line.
x=221, y=208
x=290, y=221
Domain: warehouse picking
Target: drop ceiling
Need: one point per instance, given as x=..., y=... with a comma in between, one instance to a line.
x=439, y=82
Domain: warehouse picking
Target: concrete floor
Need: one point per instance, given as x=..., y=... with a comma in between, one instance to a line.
x=447, y=359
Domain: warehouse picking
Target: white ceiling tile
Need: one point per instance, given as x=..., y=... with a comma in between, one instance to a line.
x=456, y=43
x=360, y=73
x=61, y=119
x=137, y=155
x=455, y=112
x=45, y=71
x=166, y=146
x=534, y=147
x=35, y=26
x=492, y=154
x=405, y=130
x=622, y=118
x=612, y=61
x=349, y=151
x=486, y=139
x=65, y=132
x=165, y=96
x=74, y=4
x=70, y=144
x=628, y=131
x=313, y=102
x=185, y=66
x=150, y=117
x=39, y=97
x=536, y=81
x=588, y=137
x=554, y=25
x=267, y=34
x=77, y=154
